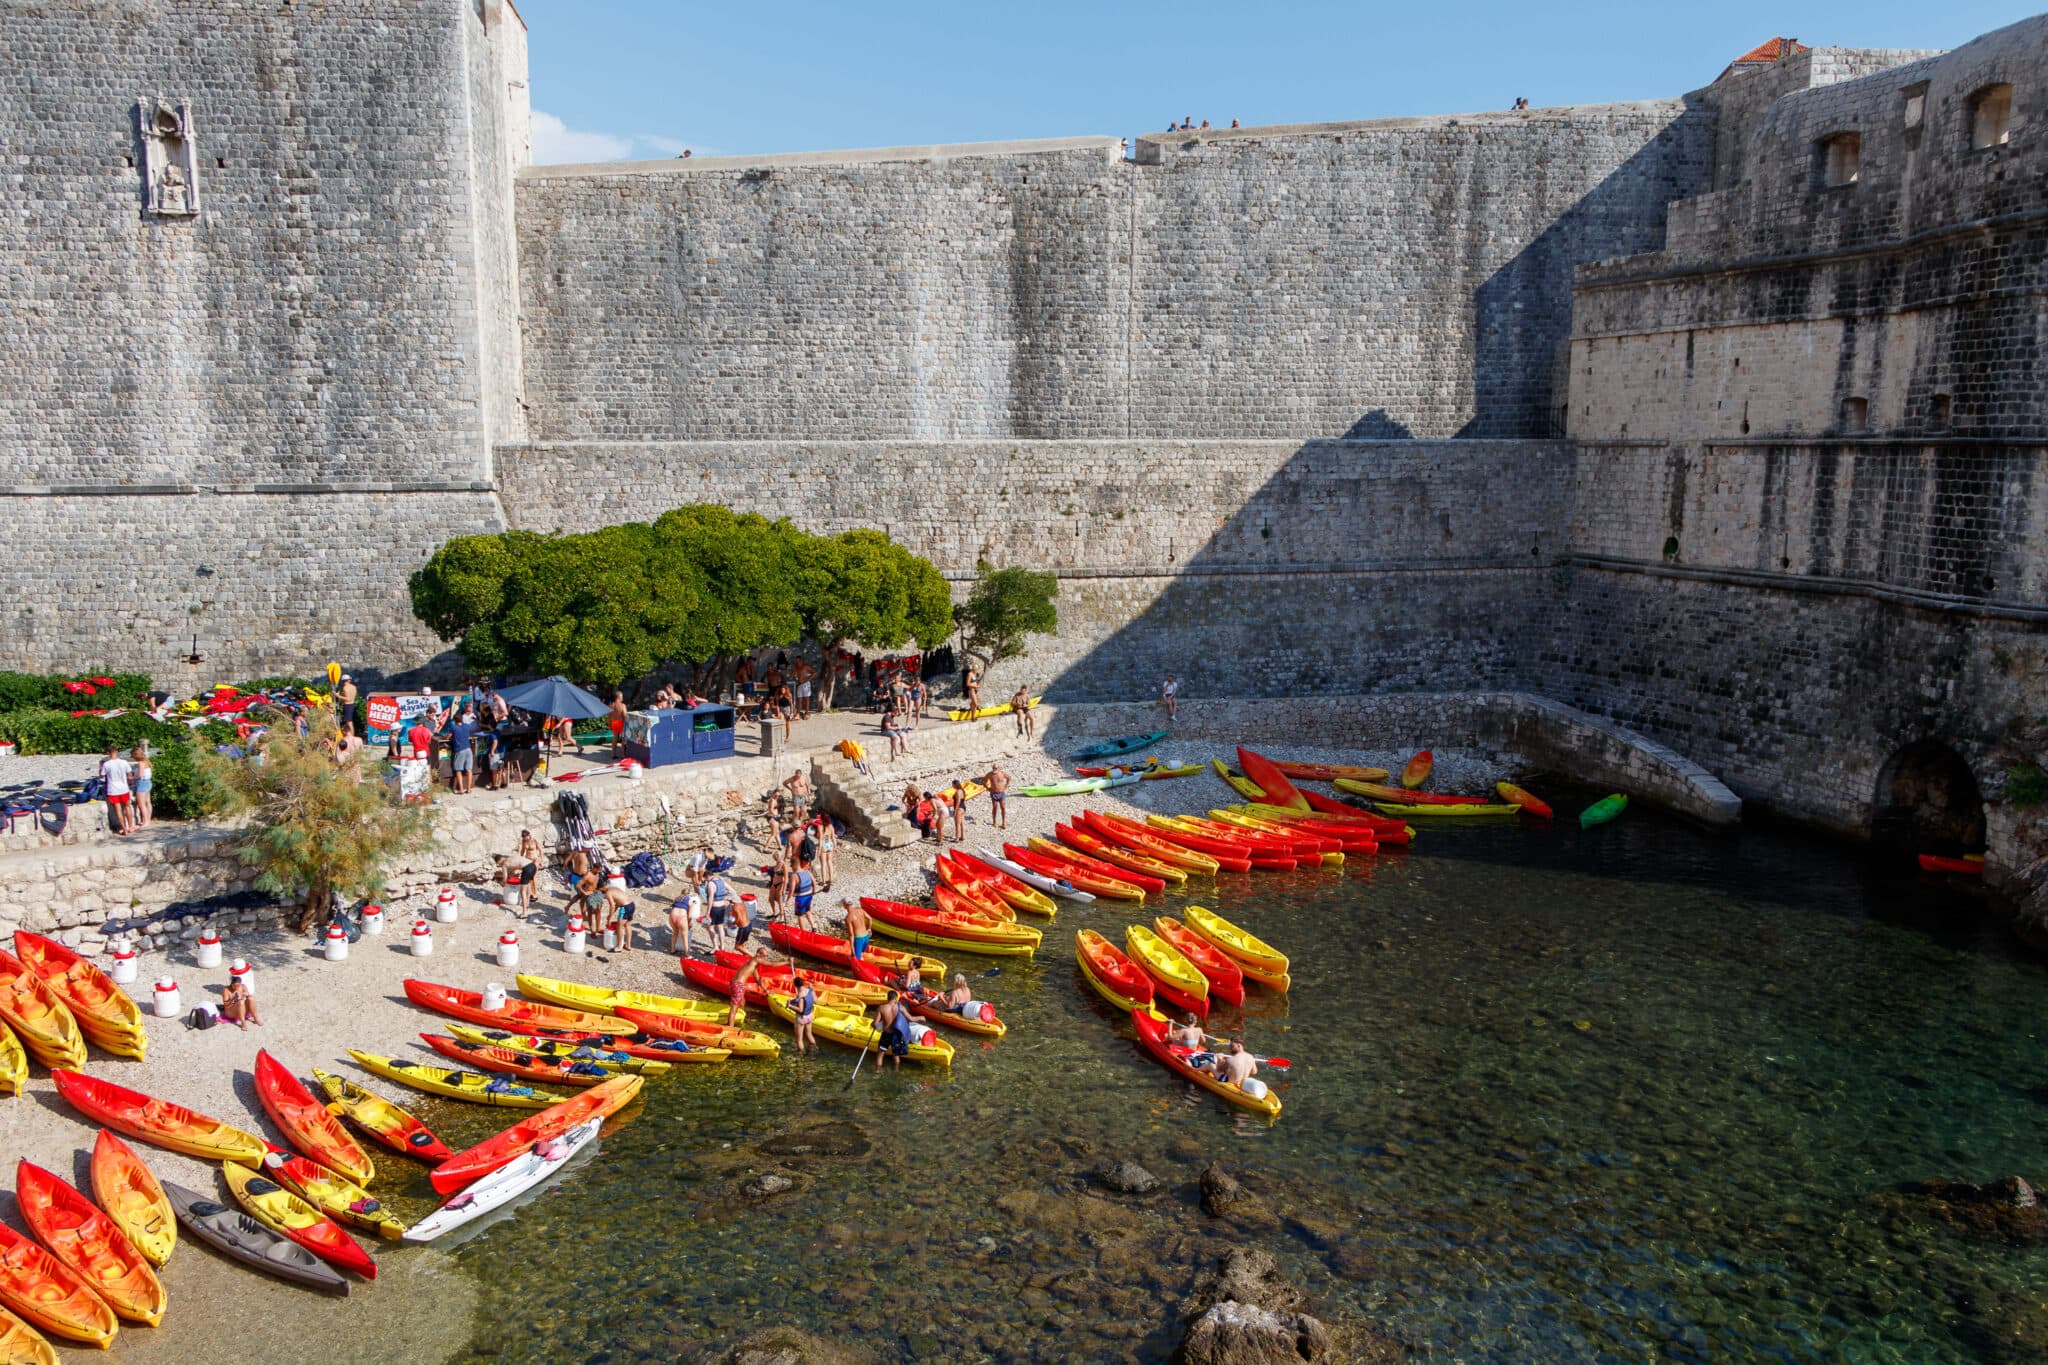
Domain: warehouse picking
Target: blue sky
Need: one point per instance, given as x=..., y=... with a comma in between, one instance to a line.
x=616, y=79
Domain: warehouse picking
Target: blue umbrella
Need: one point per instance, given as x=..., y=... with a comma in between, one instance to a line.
x=555, y=696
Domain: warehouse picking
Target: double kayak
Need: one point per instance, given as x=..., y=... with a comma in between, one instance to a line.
x=1106, y=884
x=521, y=1173
x=456, y=1085
x=36, y=1016
x=130, y=1194
x=90, y=1244
x=1175, y=980
x=917, y=924
x=657, y=1030
x=1055, y=886
x=1259, y=961
x=1112, y=748
x=985, y=712
x=1152, y=1037
x=160, y=1122
x=611, y=1058
x=605, y=1000
x=306, y=1122
x=338, y=1197
x=51, y=1296
x=860, y=1033
x=1225, y=977
x=839, y=951
x=1110, y=974
x=109, y=1016
x=979, y=1017
x=468, y=1006
x=250, y=1242
x=474, y=1163
x=284, y=1213
x=380, y=1118
x=1603, y=810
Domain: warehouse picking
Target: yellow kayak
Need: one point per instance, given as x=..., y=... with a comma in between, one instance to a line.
x=985, y=712
x=1259, y=961
x=1476, y=810
x=1243, y=786
x=550, y=1048
x=336, y=1196
x=858, y=1032
x=458, y=1085
x=1154, y=774
x=13, y=1060
x=1164, y=961
x=604, y=1000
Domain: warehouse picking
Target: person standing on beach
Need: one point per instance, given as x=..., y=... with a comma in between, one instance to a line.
x=859, y=928
x=1020, y=705
x=1169, y=697
x=957, y=798
x=998, y=784
x=971, y=684
x=806, y=1011
x=114, y=773
x=618, y=724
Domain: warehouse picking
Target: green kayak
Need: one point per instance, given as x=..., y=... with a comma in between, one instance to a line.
x=1603, y=810
x=1077, y=786
x=1110, y=748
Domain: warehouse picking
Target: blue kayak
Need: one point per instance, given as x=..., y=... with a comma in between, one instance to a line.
x=1110, y=748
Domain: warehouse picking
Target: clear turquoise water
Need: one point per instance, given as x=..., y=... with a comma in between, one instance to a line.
x=1632, y=1093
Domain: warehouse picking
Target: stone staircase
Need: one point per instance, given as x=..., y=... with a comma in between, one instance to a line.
x=854, y=797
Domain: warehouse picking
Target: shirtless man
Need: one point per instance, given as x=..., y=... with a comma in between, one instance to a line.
x=998, y=784
x=1020, y=706
x=859, y=928
x=1237, y=1065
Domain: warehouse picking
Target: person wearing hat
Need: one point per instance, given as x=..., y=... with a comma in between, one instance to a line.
x=346, y=697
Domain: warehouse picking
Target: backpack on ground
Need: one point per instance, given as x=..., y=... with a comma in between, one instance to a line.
x=202, y=1016
x=644, y=870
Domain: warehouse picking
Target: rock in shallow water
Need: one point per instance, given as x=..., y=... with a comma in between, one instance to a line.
x=1124, y=1177
x=1233, y=1333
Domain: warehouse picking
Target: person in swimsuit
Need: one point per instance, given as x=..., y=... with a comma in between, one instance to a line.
x=618, y=724
x=718, y=892
x=144, y=779
x=590, y=892
x=618, y=907
x=529, y=855
x=859, y=928
x=738, y=995
x=683, y=917
x=1189, y=1034
x=958, y=800
x=742, y=924
x=1237, y=1065
x=972, y=686
x=1020, y=705
x=960, y=996
x=912, y=984
x=892, y=1044
x=806, y=1015
x=802, y=887
x=997, y=780
x=828, y=834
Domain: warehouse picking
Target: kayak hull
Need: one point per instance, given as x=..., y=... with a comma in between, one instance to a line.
x=1274, y=783
x=1603, y=810
x=516, y=1014
x=159, y=1122
x=1259, y=961
x=382, y=1120
x=251, y=1243
x=90, y=1244
x=108, y=1015
x=1527, y=800
x=1110, y=974
x=128, y=1190
x=506, y=1183
x=474, y=1163
x=736, y=1042
x=453, y=1084
x=305, y=1122
x=1226, y=978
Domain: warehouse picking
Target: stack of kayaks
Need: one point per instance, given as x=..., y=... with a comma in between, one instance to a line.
x=941, y=928
x=1067, y=856
x=1090, y=844
x=959, y=870
x=35, y=1015
x=109, y=1017
x=839, y=951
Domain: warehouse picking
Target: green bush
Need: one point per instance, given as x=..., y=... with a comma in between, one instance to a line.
x=2026, y=785
x=31, y=691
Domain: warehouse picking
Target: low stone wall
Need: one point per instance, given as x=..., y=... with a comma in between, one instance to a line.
x=1548, y=734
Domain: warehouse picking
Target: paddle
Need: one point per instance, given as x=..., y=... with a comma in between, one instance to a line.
x=857, y=1065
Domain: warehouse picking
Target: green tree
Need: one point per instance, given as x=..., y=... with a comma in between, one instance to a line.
x=862, y=586
x=1005, y=606
x=314, y=827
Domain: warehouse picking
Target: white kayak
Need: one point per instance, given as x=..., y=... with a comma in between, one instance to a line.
x=1052, y=886
x=505, y=1184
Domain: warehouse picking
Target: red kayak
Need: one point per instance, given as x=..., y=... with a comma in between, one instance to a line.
x=976, y=900
x=968, y=931
x=717, y=978
x=1269, y=779
x=1111, y=974
x=1107, y=886
x=1145, y=839
x=984, y=1022
x=1416, y=770
x=1226, y=978
x=1060, y=853
x=1527, y=800
x=517, y=1016
x=782, y=978
x=1253, y=855
x=598, y=1102
x=1384, y=827
x=1004, y=886
x=305, y=1122
x=1972, y=866
x=525, y=1065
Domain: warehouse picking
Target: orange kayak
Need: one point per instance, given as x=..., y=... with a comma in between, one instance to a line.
x=716, y=978
x=1074, y=874
x=524, y=1065
x=516, y=1015
x=699, y=1033
x=42, y=1021
x=839, y=952
x=147, y=1119
x=1082, y=840
x=782, y=976
x=1139, y=839
x=1113, y=976
x=1006, y=888
x=1528, y=801
x=600, y=1101
x=44, y=1291
x=21, y=1344
x=305, y=1122
x=1330, y=772
x=109, y=1015
x=89, y=1244
x=985, y=904
x=130, y=1194
x=1063, y=853
x=1415, y=771
x=1266, y=775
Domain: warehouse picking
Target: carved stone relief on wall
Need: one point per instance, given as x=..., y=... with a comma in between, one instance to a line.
x=170, y=158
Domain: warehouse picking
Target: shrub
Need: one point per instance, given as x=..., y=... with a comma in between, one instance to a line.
x=170, y=748
x=2026, y=785
x=1005, y=606
x=31, y=691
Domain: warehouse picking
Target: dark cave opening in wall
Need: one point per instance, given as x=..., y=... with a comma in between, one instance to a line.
x=1927, y=801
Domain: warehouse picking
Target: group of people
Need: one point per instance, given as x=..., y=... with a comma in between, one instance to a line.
x=126, y=780
x=932, y=813
x=1233, y=1065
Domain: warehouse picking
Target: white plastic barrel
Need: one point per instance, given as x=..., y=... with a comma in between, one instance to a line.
x=207, y=951
x=575, y=940
x=494, y=996
x=422, y=939
x=164, y=999
x=508, y=950
x=373, y=919
x=444, y=905
x=336, y=943
x=123, y=970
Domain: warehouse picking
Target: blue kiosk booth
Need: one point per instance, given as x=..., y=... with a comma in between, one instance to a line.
x=659, y=738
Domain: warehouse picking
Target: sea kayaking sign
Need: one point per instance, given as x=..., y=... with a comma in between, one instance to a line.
x=384, y=712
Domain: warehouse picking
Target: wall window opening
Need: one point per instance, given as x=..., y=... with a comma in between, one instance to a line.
x=1841, y=158
x=1855, y=415
x=1991, y=116
x=1916, y=108
x=1942, y=411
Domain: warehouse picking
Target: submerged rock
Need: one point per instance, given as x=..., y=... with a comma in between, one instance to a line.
x=1233, y=1333
x=767, y=1186
x=785, y=1346
x=836, y=1139
x=1221, y=1191
x=1124, y=1176
x=2005, y=1210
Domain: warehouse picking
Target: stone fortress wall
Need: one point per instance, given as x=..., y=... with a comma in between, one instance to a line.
x=1285, y=407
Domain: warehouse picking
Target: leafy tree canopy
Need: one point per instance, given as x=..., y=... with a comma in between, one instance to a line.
x=1005, y=606
x=700, y=583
